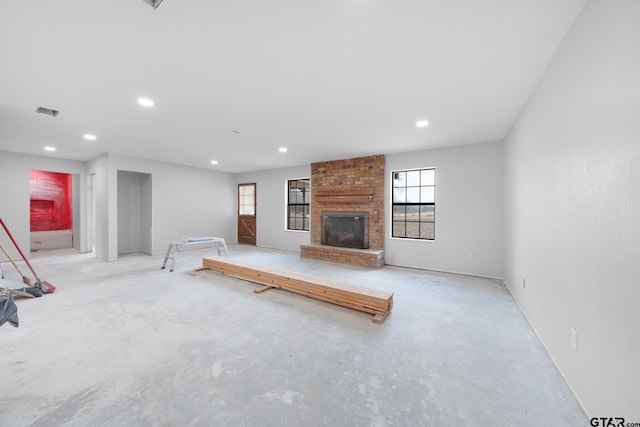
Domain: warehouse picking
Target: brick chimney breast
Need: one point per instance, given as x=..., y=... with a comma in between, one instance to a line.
x=348, y=185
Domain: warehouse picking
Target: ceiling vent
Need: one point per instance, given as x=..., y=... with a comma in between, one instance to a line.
x=47, y=111
x=153, y=3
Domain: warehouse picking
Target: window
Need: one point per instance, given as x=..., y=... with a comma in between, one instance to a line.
x=413, y=204
x=247, y=199
x=298, y=197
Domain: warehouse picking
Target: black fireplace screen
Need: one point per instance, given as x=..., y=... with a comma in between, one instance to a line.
x=345, y=229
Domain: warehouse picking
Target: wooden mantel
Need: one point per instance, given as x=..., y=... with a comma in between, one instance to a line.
x=344, y=195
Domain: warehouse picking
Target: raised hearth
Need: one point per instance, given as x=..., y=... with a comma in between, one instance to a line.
x=370, y=258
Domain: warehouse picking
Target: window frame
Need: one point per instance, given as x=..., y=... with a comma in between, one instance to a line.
x=305, y=206
x=420, y=205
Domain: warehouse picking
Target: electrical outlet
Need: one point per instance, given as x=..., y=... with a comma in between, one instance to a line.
x=574, y=339
x=524, y=283
x=469, y=255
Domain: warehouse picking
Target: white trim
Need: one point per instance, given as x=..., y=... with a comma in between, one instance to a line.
x=435, y=203
x=412, y=239
x=286, y=204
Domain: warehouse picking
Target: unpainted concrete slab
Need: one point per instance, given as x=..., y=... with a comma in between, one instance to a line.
x=126, y=343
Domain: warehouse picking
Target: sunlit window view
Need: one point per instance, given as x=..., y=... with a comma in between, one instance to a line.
x=298, y=200
x=413, y=204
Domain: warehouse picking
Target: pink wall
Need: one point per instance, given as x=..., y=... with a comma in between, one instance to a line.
x=50, y=201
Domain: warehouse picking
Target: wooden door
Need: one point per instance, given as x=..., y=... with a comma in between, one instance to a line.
x=247, y=213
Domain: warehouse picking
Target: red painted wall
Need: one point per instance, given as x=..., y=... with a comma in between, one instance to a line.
x=51, y=207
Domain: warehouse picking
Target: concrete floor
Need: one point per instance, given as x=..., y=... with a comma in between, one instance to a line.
x=129, y=344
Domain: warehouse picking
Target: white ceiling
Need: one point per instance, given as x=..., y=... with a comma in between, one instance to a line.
x=328, y=79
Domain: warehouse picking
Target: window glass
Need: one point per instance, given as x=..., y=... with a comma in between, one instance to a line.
x=413, y=178
x=246, y=199
x=413, y=195
x=399, y=195
x=399, y=213
x=428, y=177
x=298, y=204
x=413, y=204
x=427, y=231
x=427, y=194
x=427, y=213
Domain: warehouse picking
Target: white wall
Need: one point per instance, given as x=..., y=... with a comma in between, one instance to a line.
x=98, y=167
x=78, y=217
x=146, y=210
x=15, y=195
x=572, y=208
x=469, y=217
x=186, y=201
x=270, y=210
x=134, y=212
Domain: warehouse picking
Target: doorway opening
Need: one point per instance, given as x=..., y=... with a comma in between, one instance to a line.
x=53, y=212
x=134, y=212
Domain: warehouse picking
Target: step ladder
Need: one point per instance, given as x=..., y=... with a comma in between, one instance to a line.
x=175, y=247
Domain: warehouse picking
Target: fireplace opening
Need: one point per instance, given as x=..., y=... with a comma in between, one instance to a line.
x=345, y=229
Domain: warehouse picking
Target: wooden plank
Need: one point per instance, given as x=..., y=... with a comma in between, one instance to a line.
x=342, y=285
x=345, y=199
x=340, y=194
x=351, y=294
x=341, y=191
x=263, y=289
x=310, y=284
x=360, y=298
x=379, y=318
x=377, y=303
x=233, y=267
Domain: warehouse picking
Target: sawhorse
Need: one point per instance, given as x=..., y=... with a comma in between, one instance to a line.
x=175, y=247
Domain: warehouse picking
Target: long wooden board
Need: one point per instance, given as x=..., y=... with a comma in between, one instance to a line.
x=374, y=301
x=346, y=195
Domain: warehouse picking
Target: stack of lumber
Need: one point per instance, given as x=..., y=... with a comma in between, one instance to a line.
x=374, y=301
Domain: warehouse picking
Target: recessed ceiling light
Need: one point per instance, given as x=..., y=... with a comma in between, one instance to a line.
x=49, y=148
x=422, y=123
x=89, y=137
x=282, y=149
x=146, y=102
x=214, y=162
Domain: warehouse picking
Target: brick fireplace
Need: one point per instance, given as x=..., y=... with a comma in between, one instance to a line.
x=351, y=193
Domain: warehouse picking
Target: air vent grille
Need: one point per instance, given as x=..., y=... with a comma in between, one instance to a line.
x=47, y=111
x=153, y=3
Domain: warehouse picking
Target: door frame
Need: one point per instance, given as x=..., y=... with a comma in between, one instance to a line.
x=247, y=220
